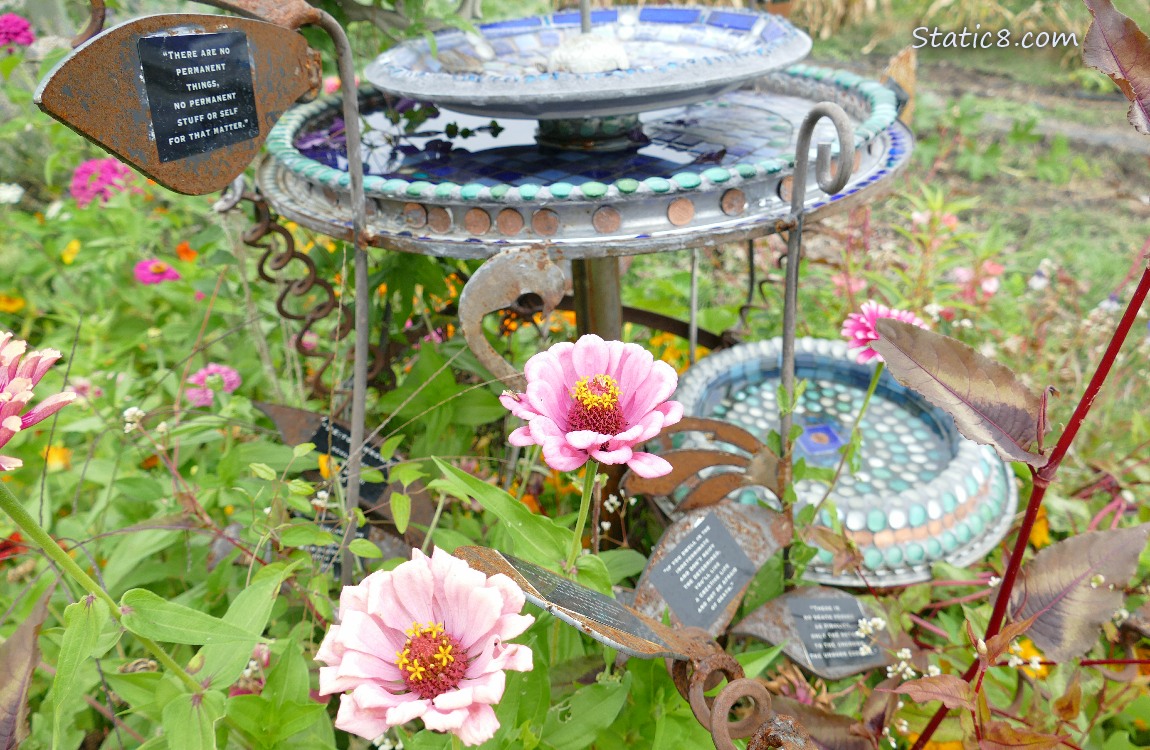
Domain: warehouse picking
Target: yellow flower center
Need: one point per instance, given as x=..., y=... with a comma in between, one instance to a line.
x=158, y=267
x=431, y=661
x=596, y=406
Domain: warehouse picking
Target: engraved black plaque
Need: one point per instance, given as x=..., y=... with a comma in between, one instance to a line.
x=200, y=92
x=335, y=440
x=703, y=574
x=327, y=556
x=828, y=628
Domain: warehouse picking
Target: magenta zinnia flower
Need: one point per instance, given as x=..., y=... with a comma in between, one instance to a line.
x=152, y=271
x=595, y=399
x=99, y=178
x=424, y=641
x=228, y=379
x=859, y=327
x=19, y=374
x=15, y=30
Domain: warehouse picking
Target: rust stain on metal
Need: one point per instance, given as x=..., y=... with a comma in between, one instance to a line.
x=759, y=532
x=733, y=202
x=739, y=689
x=300, y=426
x=498, y=284
x=477, y=221
x=784, y=733
x=439, y=219
x=786, y=186
x=607, y=220
x=414, y=215
x=545, y=222
x=99, y=91
x=681, y=211
x=509, y=222
x=688, y=466
x=289, y=13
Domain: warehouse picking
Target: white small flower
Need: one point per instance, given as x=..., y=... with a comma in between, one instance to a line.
x=612, y=504
x=903, y=653
x=994, y=581
x=1035, y=663
x=878, y=623
x=1121, y=615
x=53, y=210
x=900, y=705
x=1014, y=661
x=133, y=415
x=1097, y=580
x=632, y=500
x=980, y=647
x=1038, y=281
x=902, y=726
x=10, y=193
x=604, y=526
x=933, y=671
x=267, y=511
x=865, y=650
x=162, y=429
x=865, y=629
x=908, y=672
x=965, y=323
x=933, y=310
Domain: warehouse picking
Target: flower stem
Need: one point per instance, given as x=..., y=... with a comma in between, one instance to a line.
x=33, y=532
x=1045, y=475
x=584, y=508
x=874, y=378
x=434, y=523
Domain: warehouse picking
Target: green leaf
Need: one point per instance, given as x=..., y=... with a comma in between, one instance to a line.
x=250, y=610
x=190, y=720
x=364, y=548
x=83, y=622
x=576, y=722
x=151, y=616
x=592, y=573
x=304, y=534
x=406, y=473
x=263, y=471
x=754, y=662
x=535, y=538
x=400, y=511
x=622, y=563
x=387, y=450
x=301, y=450
x=130, y=549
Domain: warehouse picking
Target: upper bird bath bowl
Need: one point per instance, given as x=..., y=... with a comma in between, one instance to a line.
x=923, y=493
x=674, y=56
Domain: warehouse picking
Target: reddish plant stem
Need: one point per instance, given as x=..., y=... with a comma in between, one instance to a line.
x=1043, y=478
x=1105, y=662
x=927, y=626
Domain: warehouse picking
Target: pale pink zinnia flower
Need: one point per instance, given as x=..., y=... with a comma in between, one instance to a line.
x=19, y=374
x=227, y=378
x=859, y=327
x=424, y=641
x=595, y=399
x=15, y=31
x=99, y=178
x=152, y=271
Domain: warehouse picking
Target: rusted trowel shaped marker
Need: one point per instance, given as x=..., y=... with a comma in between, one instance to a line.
x=186, y=99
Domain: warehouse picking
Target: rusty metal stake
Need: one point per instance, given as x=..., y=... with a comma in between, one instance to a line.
x=362, y=291
x=829, y=182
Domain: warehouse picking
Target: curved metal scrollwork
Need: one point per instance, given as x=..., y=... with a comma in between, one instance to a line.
x=278, y=254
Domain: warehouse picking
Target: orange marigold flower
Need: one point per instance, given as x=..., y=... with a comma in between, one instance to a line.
x=11, y=304
x=185, y=252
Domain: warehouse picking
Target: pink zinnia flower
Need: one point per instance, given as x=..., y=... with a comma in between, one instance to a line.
x=595, y=399
x=424, y=641
x=152, y=271
x=19, y=374
x=227, y=378
x=15, y=30
x=859, y=327
x=99, y=178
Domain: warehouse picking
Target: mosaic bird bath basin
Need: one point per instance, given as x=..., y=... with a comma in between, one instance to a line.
x=923, y=493
x=676, y=56
x=709, y=172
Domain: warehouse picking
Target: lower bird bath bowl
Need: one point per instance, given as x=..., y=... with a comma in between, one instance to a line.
x=923, y=493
